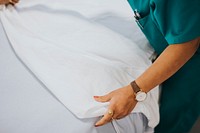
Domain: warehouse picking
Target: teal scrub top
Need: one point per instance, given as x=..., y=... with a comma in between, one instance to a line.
x=173, y=21
x=164, y=23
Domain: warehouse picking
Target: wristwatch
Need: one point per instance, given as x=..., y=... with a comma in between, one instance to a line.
x=139, y=94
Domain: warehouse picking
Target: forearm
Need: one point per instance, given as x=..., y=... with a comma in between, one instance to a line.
x=167, y=64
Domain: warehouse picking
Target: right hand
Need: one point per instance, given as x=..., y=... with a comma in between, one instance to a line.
x=5, y=2
x=122, y=101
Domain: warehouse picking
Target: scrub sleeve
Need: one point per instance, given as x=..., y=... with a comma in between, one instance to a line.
x=168, y=22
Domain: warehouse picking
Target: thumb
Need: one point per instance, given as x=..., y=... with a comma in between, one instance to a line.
x=104, y=98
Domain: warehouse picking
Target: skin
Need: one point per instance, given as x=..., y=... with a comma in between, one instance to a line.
x=5, y=2
x=122, y=101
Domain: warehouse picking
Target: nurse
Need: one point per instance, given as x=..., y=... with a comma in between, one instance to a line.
x=173, y=29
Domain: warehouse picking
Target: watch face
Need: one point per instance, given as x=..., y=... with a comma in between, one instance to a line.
x=141, y=96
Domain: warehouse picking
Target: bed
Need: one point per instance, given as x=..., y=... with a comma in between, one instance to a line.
x=30, y=102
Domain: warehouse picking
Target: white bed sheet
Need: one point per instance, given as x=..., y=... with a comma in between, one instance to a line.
x=59, y=40
x=26, y=105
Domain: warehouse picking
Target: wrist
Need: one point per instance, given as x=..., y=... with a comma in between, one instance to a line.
x=140, y=95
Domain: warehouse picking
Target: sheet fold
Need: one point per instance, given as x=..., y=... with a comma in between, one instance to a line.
x=78, y=50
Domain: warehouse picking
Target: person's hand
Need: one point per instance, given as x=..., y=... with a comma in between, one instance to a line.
x=122, y=101
x=6, y=2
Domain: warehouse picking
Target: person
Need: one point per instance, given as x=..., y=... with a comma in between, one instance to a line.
x=5, y=2
x=173, y=29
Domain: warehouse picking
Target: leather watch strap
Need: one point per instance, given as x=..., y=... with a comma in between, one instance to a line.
x=135, y=87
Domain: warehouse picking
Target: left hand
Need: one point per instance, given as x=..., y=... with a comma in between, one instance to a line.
x=122, y=101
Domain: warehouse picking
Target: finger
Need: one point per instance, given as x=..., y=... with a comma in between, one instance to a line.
x=16, y=1
x=104, y=98
x=106, y=118
x=11, y=2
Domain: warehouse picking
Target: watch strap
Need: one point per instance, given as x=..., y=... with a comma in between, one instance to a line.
x=135, y=87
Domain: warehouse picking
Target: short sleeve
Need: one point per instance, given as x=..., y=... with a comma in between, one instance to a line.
x=178, y=20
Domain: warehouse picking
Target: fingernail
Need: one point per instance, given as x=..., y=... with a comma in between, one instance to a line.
x=96, y=125
x=96, y=96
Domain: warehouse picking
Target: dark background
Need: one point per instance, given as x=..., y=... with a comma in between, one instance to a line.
x=196, y=127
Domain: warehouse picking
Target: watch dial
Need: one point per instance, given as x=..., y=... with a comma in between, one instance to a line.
x=141, y=96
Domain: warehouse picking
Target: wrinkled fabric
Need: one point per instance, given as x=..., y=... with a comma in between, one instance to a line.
x=70, y=49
